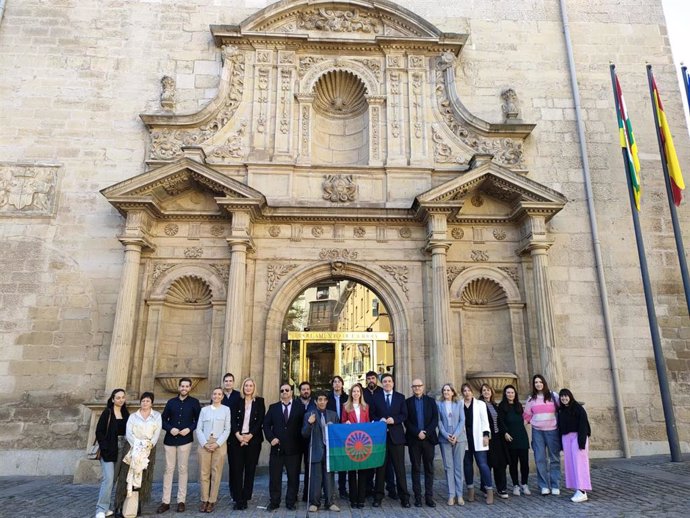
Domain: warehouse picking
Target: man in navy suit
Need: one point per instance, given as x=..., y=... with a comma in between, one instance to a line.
x=390, y=407
x=421, y=424
x=282, y=429
x=314, y=428
x=336, y=399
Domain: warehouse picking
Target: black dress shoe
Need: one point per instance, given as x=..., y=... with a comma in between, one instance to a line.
x=405, y=504
x=393, y=495
x=430, y=503
x=377, y=503
x=291, y=507
x=418, y=503
x=272, y=507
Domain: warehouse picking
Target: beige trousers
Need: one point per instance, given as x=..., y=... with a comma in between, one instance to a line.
x=211, y=466
x=173, y=454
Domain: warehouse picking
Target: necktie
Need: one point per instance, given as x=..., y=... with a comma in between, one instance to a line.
x=388, y=401
x=285, y=413
x=323, y=428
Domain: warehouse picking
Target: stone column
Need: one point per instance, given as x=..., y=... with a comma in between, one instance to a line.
x=235, y=315
x=441, y=350
x=125, y=316
x=546, y=335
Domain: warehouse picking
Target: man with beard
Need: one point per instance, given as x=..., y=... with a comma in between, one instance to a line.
x=307, y=402
x=230, y=397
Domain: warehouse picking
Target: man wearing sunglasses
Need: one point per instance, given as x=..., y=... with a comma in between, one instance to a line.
x=282, y=429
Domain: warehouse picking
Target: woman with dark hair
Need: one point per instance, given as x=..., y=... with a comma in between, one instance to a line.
x=110, y=435
x=356, y=410
x=478, y=432
x=512, y=428
x=143, y=430
x=246, y=436
x=452, y=440
x=573, y=426
x=498, y=451
x=540, y=412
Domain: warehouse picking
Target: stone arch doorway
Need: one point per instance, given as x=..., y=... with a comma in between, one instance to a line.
x=322, y=276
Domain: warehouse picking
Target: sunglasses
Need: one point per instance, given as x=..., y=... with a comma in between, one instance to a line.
x=285, y=390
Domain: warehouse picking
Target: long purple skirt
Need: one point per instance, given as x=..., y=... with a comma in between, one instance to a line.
x=576, y=463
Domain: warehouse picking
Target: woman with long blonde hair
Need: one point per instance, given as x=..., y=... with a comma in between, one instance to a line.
x=452, y=439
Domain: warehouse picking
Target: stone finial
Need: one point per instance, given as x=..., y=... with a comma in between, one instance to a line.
x=447, y=60
x=510, y=106
x=167, y=93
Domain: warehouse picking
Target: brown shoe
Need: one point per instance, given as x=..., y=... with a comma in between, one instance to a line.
x=210, y=507
x=202, y=508
x=181, y=507
x=163, y=508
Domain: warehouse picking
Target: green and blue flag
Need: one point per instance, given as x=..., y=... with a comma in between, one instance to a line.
x=350, y=447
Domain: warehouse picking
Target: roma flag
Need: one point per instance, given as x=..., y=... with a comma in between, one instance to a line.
x=627, y=140
x=668, y=150
x=350, y=447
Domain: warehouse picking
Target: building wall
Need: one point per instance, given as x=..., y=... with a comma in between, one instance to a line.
x=74, y=76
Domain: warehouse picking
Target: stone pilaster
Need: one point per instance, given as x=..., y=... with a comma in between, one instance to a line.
x=375, y=129
x=306, y=115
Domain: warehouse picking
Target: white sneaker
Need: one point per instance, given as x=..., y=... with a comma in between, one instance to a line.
x=556, y=492
x=525, y=490
x=334, y=508
x=312, y=509
x=109, y=513
x=545, y=491
x=579, y=496
x=100, y=514
x=516, y=490
x=461, y=501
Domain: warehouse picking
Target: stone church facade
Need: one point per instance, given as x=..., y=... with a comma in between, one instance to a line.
x=174, y=175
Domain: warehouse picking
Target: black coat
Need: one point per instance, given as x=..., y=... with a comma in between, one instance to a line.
x=573, y=418
x=290, y=434
x=256, y=419
x=398, y=411
x=331, y=402
x=430, y=420
x=106, y=433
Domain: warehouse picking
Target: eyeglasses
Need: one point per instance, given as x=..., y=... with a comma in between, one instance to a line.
x=417, y=386
x=285, y=390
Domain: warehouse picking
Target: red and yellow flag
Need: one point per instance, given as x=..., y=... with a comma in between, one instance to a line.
x=669, y=151
x=628, y=142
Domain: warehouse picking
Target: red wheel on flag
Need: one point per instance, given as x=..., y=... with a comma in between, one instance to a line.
x=358, y=446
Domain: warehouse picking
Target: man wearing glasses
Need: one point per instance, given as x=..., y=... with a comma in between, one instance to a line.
x=420, y=426
x=282, y=429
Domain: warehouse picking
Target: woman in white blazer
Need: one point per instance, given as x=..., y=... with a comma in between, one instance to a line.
x=478, y=434
x=452, y=439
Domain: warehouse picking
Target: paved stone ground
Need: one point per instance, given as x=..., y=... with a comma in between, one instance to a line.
x=646, y=486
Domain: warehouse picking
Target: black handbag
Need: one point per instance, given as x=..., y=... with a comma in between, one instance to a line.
x=94, y=452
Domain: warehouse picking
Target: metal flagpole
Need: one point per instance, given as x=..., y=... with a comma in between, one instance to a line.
x=669, y=192
x=684, y=71
x=667, y=404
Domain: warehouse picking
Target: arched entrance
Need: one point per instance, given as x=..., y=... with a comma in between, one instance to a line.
x=336, y=327
x=388, y=344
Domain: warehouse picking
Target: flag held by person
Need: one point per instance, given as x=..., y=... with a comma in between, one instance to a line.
x=667, y=149
x=351, y=447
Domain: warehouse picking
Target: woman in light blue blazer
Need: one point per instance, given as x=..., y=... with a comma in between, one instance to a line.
x=452, y=439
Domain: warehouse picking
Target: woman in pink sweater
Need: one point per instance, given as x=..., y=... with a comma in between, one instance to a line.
x=540, y=412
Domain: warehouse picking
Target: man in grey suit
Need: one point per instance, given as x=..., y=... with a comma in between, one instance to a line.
x=315, y=423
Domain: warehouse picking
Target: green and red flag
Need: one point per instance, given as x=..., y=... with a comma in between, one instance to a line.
x=350, y=447
x=627, y=140
x=668, y=149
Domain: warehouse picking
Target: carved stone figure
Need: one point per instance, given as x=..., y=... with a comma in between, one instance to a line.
x=510, y=108
x=168, y=93
x=333, y=20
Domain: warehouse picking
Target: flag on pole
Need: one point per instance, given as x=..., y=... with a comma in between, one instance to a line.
x=350, y=447
x=627, y=140
x=669, y=151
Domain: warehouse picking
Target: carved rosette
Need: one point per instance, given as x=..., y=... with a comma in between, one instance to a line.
x=457, y=233
x=339, y=188
x=217, y=230
x=400, y=275
x=317, y=231
x=359, y=232
x=274, y=231
x=275, y=272
x=171, y=229
x=405, y=233
x=499, y=234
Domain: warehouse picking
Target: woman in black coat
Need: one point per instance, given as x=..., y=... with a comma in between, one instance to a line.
x=498, y=450
x=246, y=436
x=110, y=435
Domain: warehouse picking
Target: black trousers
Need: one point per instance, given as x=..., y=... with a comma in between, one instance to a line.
x=395, y=454
x=232, y=491
x=276, y=463
x=307, y=467
x=422, y=456
x=498, y=461
x=521, y=456
x=358, y=485
x=342, y=482
x=245, y=459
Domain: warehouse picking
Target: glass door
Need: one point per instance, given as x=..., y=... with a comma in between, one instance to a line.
x=319, y=364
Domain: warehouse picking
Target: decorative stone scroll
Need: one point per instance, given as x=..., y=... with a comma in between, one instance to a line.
x=275, y=272
x=166, y=142
x=443, y=153
x=234, y=147
x=453, y=271
x=338, y=257
x=339, y=188
x=336, y=20
x=400, y=275
x=159, y=269
x=27, y=189
x=512, y=273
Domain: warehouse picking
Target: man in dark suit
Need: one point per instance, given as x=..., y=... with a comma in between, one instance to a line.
x=230, y=398
x=336, y=399
x=420, y=426
x=308, y=404
x=314, y=428
x=282, y=429
x=370, y=390
x=390, y=407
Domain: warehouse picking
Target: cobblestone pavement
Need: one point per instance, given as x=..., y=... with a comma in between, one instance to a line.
x=645, y=486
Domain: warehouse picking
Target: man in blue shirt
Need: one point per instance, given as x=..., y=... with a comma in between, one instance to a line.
x=180, y=417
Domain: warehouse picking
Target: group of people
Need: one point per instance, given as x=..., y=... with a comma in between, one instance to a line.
x=234, y=425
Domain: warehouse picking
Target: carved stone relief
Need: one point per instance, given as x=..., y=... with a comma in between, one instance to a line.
x=317, y=231
x=499, y=234
x=477, y=200
x=443, y=153
x=510, y=107
x=171, y=229
x=338, y=257
x=217, y=230
x=336, y=20
x=512, y=273
x=189, y=289
x=405, y=233
x=400, y=275
x=453, y=271
x=234, y=147
x=274, y=231
x=457, y=233
x=479, y=256
x=285, y=80
x=27, y=190
x=193, y=252
x=339, y=188
x=482, y=292
x=296, y=230
x=159, y=269
x=359, y=232
x=262, y=85
x=275, y=272
x=223, y=271
x=167, y=93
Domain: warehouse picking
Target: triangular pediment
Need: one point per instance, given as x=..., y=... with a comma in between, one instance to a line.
x=505, y=187
x=166, y=189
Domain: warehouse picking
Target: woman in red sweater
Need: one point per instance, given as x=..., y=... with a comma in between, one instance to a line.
x=356, y=410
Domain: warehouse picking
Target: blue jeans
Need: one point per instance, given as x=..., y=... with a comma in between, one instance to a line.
x=108, y=469
x=548, y=471
x=482, y=461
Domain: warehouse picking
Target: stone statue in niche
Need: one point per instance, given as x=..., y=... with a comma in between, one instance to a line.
x=510, y=105
x=167, y=93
